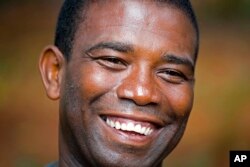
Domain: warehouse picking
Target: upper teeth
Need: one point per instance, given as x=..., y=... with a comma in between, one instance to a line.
x=130, y=127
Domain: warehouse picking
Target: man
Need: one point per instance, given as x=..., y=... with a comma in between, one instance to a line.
x=124, y=73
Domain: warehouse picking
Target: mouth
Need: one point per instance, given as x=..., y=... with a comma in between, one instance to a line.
x=130, y=126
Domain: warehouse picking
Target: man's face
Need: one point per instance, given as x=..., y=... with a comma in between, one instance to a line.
x=128, y=87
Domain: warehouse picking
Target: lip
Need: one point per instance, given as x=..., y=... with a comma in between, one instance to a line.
x=129, y=138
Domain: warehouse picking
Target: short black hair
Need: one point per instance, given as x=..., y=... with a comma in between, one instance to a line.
x=73, y=11
x=67, y=24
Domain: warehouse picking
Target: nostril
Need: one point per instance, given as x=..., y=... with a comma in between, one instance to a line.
x=152, y=104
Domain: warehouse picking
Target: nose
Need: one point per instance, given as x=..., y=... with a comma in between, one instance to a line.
x=140, y=87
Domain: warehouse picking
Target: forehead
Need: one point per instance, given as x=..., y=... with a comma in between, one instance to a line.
x=133, y=20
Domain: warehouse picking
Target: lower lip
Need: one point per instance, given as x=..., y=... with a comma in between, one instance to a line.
x=128, y=138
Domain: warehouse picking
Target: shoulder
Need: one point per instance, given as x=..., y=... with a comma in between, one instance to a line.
x=53, y=164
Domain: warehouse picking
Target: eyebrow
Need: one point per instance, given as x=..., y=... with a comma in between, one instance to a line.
x=117, y=46
x=170, y=58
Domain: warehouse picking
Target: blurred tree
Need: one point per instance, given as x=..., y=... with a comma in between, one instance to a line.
x=223, y=9
x=228, y=9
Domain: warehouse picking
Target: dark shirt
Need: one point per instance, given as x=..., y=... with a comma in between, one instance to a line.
x=53, y=164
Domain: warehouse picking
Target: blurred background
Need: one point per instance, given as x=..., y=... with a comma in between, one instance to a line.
x=220, y=120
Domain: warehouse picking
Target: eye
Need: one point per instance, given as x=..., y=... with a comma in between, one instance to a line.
x=112, y=62
x=172, y=76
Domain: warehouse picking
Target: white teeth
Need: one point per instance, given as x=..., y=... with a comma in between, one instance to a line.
x=117, y=125
x=130, y=127
x=137, y=128
x=147, y=132
x=124, y=126
x=112, y=124
x=143, y=129
x=108, y=121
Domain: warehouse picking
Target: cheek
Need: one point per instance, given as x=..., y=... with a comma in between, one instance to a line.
x=95, y=81
x=180, y=99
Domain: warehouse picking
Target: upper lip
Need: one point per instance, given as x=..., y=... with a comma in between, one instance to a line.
x=135, y=116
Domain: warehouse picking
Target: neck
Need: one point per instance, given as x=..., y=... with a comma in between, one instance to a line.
x=66, y=157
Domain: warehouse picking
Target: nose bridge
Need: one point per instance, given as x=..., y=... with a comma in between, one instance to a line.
x=139, y=86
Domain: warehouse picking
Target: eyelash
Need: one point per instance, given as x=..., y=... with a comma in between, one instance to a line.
x=111, y=62
x=177, y=77
x=114, y=60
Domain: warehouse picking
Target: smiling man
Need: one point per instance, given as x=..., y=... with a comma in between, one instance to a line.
x=123, y=71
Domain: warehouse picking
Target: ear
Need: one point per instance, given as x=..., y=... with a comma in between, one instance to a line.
x=51, y=65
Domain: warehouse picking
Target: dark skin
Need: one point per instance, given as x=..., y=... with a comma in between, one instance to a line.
x=131, y=62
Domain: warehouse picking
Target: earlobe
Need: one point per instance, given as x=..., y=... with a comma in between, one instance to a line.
x=51, y=65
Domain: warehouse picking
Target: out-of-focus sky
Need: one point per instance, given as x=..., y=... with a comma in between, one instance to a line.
x=220, y=120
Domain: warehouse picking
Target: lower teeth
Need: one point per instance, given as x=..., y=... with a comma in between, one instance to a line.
x=132, y=133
